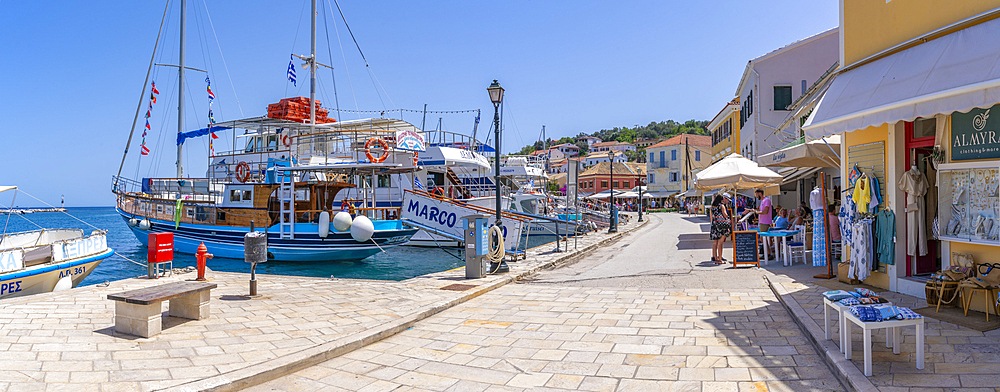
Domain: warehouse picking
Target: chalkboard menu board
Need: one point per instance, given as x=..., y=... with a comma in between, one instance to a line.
x=745, y=248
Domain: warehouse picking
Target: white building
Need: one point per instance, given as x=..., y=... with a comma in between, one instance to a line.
x=612, y=145
x=597, y=157
x=553, y=153
x=562, y=166
x=567, y=149
x=772, y=82
x=590, y=140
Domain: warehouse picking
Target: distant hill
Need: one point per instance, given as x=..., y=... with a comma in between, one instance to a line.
x=653, y=130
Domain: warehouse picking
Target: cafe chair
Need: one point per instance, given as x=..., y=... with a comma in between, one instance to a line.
x=797, y=246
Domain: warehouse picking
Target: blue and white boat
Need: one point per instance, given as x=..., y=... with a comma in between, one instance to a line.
x=46, y=260
x=282, y=177
x=291, y=192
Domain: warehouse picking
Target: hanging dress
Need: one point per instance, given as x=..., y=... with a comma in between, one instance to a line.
x=915, y=186
x=819, y=228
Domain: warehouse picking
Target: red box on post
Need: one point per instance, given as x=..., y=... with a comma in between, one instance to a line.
x=161, y=248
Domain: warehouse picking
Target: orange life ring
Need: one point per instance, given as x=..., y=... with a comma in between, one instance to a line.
x=415, y=154
x=242, y=172
x=438, y=191
x=287, y=141
x=385, y=150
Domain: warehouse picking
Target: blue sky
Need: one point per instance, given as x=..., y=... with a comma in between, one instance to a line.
x=72, y=71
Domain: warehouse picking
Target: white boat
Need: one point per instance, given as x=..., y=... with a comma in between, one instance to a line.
x=46, y=260
x=285, y=180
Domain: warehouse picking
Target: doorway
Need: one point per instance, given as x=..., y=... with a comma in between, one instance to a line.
x=920, y=148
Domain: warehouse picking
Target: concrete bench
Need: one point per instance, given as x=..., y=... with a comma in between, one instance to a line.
x=137, y=312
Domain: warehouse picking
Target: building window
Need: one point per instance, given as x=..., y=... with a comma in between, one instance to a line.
x=782, y=97
x=697, y=155
x=650, y=157
x=604, y=184
x=663, y=158
x=617, y=186
x=652, y=178
x=674, y=176
x=673, y=155
x=627, y=185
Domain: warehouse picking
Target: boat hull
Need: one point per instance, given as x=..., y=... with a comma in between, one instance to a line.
x=227, y=241
x=43, y=278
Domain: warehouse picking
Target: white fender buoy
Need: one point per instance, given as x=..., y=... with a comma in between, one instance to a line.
x=133, y=222
x=362, y=229
x=64, y=283
x=144, y=224
x=342, y=221
x=324, y=224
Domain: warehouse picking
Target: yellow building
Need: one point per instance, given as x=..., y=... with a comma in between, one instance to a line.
x=912, y=99
x=725, y=130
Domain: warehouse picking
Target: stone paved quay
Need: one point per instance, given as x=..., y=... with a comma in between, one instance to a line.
x=625, y=318
x=564, y=338
x=956, y=358
x=66, y=340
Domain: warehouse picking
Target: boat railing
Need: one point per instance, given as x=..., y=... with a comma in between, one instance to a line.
x=193, y=189
x=456, y=140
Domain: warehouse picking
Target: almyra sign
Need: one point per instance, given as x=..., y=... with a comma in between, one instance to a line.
x=974, y=135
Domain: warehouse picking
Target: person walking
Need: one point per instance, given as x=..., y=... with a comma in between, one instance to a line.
x=721, y=226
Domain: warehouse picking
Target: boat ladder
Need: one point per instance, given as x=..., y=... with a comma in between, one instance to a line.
x=456, y=182
x=286, y=201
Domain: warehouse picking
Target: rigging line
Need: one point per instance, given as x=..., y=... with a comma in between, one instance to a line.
x=347, y=69
x=371, y=74
x=295, y=40
x=224, y=64
x=142, y=95
x=8, y=211
x=329, y=51
x=207, y=54
x=64, y=212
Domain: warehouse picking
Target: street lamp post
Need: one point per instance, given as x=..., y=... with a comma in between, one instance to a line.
x=613, y=227
x=641, y=181
x=496, y=96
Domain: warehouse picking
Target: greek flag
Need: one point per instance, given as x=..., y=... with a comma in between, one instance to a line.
x=291, y=72
x=417, y=184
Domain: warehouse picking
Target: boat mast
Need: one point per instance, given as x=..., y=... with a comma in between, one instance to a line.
x=180, y=94
x=312, y=73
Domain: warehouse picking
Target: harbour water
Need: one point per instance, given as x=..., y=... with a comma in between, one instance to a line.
x=398, y=263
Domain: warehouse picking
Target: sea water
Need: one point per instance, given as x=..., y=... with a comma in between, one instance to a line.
x=397, y=263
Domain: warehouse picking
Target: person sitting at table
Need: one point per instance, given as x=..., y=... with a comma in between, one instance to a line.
x=781, y=223
x=834, y=223
x=799, y=219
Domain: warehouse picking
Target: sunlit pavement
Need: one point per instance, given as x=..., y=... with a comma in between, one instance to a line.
x=577, y=329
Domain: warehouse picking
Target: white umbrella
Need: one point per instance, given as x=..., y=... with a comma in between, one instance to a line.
x=817, y=153
x=736, y=172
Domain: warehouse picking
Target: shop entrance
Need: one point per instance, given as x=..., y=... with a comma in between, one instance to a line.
x=920, y=147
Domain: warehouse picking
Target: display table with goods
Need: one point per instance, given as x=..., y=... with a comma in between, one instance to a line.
x=892, y=325
x=841, y=301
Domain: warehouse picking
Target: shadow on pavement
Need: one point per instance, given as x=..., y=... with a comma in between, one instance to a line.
x=694, y=244
x=751, y=332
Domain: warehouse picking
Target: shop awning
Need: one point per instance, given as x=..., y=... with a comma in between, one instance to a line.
x=817, y=153
x=956, y=72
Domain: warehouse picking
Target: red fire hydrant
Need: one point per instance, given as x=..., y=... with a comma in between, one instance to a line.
x=202, y=257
